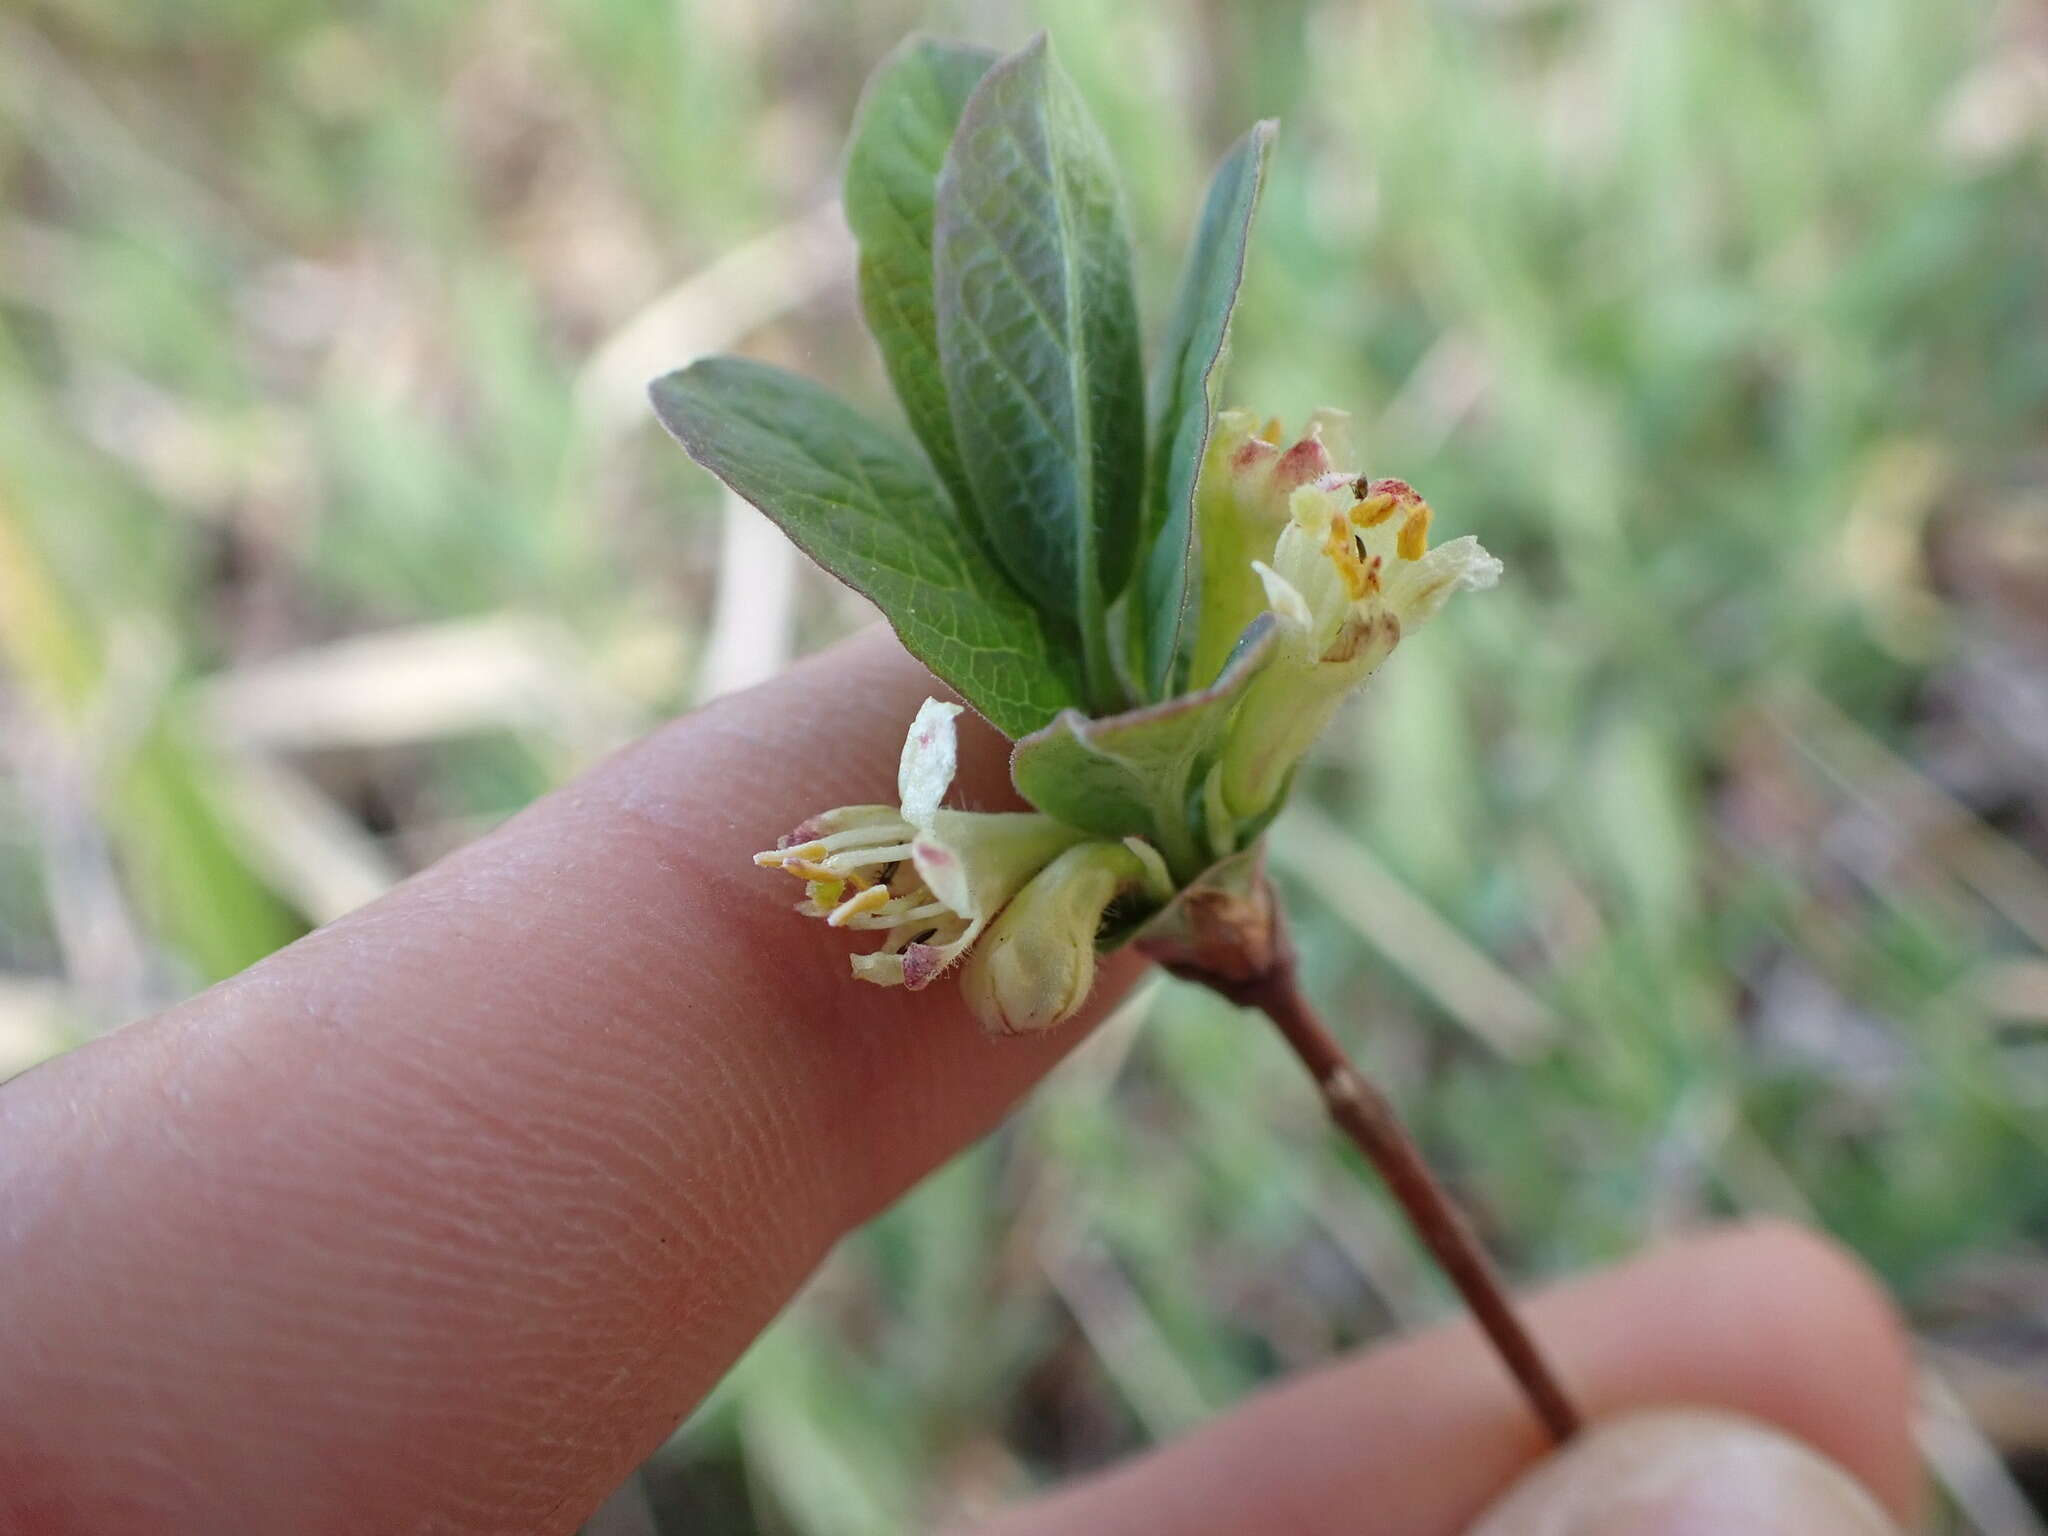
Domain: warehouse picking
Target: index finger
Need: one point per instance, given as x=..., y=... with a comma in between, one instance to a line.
x=448, y=1213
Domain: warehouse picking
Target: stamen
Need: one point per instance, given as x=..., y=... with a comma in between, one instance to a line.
x=886, y=917
x=873, y=899
x=775, y=857
x=886, y=831
x=1373, y=510
x=857, y=858
x=1347, y=552
x=805, y=869
x=1414, y=540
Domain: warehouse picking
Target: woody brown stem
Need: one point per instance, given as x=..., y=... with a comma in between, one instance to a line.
x=1364, y=1114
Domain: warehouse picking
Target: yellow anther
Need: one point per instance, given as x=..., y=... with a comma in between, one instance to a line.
x=1414, y=540
x=824, y=874
x=1374, y=510
x=873, y=899
x=1341, y=545
x=1272, y=430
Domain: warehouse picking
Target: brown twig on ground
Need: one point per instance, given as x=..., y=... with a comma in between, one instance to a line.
x=1366, y=1115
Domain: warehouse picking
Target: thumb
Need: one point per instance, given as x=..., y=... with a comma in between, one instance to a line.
x=1685, y=1472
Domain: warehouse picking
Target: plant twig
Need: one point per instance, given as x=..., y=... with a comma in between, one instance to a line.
x=1366, y=1115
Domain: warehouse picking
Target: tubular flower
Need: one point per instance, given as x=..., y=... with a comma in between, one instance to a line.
x=1351, y=573
x=1241, y=505
x=1037, y=964
x=928, y=879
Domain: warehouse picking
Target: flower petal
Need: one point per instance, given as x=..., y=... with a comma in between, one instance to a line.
x=1416, y=591
x=974, y=861
x=1283, y=598
x=1037, y=963
x=931, y=753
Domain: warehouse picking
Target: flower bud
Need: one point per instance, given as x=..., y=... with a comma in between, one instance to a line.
x=1036, y=964
x=1241, y=505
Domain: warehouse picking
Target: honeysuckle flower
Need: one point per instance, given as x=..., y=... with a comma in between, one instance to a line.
x=1037, y=963
x=1241, y=501
x=1351, y=573
x=927, y=878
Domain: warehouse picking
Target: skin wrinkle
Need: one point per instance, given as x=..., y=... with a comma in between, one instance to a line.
x=443, y=1215
x=543, y=1353
x=767, y=1114
x=747, y=1119
x=730, y=1103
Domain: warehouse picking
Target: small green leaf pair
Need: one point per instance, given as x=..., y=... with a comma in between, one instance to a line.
x=1036, y=556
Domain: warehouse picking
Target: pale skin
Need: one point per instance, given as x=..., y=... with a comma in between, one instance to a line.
x=442, y=1218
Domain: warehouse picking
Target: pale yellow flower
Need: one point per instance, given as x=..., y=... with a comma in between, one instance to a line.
x=1350, y=574
x=929, y=880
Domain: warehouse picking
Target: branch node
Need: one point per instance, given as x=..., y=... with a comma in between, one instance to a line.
x=1345, y=1090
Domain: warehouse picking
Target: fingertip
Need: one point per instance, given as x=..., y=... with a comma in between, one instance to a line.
x=1685, y=1472
x=1790, y=1326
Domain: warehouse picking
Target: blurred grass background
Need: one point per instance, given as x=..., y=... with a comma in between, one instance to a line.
x=1698, y=870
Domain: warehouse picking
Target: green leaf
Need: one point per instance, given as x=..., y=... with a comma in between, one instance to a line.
x=866, y=507
x=1038, y=340
x=1139, y=774
x=906, y=119
x=1184, y=388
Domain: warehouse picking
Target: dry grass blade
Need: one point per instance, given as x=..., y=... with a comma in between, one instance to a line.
x=752, y=621
x=100, y=938
x=1968, y=1464
x=1112, y=1317
x=2002, y=875
x=2016, y=990
x=502, y=673
x=2009, y=1402
x=303, y=842
x=31, y=1022
x=708, y=312
x=1312, y=848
